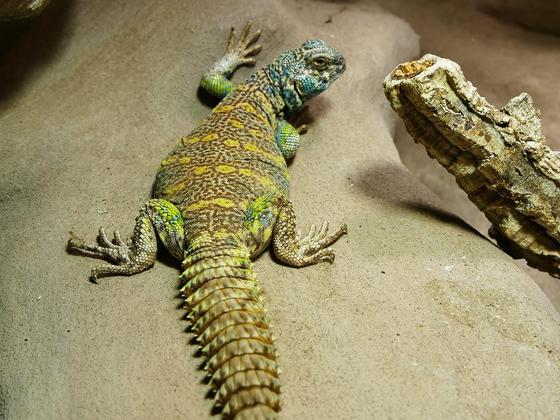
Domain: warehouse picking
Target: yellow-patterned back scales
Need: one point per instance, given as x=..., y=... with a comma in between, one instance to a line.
x=216, y=172
x=219, y=199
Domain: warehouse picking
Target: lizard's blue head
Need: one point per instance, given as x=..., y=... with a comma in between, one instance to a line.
x=304, y=72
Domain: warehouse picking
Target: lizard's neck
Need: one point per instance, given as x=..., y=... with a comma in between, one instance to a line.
x=282, y=87
x=262, y=90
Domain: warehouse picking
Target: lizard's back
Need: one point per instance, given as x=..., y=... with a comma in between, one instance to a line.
x=229, y=160
x=214, y=176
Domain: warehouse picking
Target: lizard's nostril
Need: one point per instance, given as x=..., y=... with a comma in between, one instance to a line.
x=342, y=62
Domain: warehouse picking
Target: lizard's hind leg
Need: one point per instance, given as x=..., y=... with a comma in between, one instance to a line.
x=139, y=253
x=293, y=250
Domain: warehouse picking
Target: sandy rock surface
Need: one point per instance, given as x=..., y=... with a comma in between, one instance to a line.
x=419, y=317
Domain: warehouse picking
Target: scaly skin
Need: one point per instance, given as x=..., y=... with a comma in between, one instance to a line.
x=219, y=199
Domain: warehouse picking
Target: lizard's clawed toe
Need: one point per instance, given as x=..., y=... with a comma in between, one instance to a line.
x=328, y=256
x=243, y=47
x=315, y=242
x=302, y=129
x=75, y=242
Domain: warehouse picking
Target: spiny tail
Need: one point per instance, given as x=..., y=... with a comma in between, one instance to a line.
x=228, y=317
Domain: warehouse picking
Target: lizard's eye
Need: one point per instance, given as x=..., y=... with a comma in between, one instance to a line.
x=319, y=63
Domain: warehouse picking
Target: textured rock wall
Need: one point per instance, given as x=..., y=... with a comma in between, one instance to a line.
x=536, y=15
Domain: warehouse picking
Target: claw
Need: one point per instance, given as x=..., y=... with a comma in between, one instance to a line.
x=102, y=239
x=312, y=231
x=75, y=241
x=117, y=238
x=302, y=129
x=246, y=30
x=328, y=256
x=231, y=40
x=311, y=234
x=255, y=37
x=255, y=49
x=248, y=61
x=323, y=232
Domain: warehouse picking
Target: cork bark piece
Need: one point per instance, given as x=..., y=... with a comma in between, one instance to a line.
x=498, y=156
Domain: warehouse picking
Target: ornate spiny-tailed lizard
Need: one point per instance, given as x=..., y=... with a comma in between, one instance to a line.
x=219, y=199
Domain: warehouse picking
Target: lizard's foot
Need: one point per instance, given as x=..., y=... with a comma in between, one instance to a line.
x=116, y=250
x=240, y=50
x=314, y=242
x=127, y=257
x=296, y=251
x=138, y=253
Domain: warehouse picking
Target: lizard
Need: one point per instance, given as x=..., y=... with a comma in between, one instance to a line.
x=220, y=198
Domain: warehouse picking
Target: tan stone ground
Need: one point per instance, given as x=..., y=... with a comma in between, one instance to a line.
x=419, y=317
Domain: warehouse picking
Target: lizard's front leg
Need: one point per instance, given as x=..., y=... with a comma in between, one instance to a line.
x=238, y=52
x=288, y=134
x=288, y=138
x=293, y=250
x=139, y=253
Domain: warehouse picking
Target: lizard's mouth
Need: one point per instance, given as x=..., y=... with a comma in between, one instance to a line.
x=298, y=92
